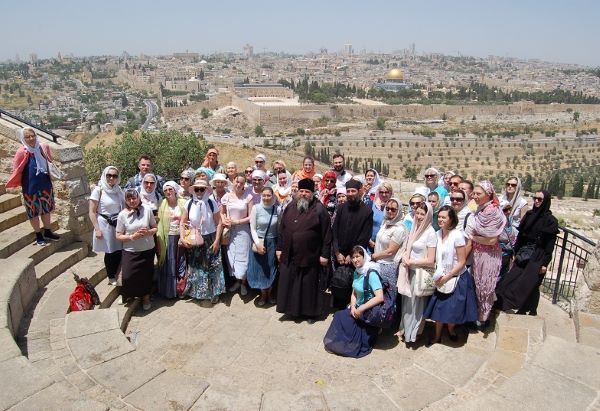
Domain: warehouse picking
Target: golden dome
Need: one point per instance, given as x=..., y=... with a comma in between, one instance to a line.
x=395, y=74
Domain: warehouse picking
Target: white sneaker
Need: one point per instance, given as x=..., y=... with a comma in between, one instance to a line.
x=120, y=300
x=243, y=290
x=235, y=287
x=112, y=281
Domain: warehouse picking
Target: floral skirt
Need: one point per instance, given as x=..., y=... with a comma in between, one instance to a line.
x=205, y=277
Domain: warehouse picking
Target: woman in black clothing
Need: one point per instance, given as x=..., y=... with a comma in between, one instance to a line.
x=520, y=287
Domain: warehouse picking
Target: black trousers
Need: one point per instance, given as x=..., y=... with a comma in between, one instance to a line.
x=112, y=262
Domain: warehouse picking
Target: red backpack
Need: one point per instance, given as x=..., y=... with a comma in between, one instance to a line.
x=84, y=296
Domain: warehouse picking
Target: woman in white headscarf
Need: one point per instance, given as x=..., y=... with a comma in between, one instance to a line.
x=513, y=195
x=106, y=201
x=419, y=253
x=30, y=171
x=149, y=195
x=348, y=335
x=171, y=255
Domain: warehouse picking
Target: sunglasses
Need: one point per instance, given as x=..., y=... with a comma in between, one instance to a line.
x=199, y=189
x=454, y=183
x=184, y=178
x=540, y=199
x=415, y=203
x=248, y=171
x=429, y=175
x=384, y=192
x=150, y=183
x=457, y=199
x=392, y=209
x=112, y=176
x=330, y=180
x=259, y=161
x=511, y=184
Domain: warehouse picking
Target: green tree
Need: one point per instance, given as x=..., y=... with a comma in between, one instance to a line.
x=591, y=188
x=300, y=131
x=124, y=102
x=576, y=116
x=204, y=113
x=171, y=151
x=259, y=132
x=578, y=188
x=380, y=123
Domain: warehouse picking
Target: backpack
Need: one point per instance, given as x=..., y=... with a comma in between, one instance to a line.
x=84, y=296
x=382, y=315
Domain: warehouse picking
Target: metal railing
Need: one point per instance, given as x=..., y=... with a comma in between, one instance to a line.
x=14, y=119
x=570, y=256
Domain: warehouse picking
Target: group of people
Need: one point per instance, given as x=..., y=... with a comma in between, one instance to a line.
x=457, y=252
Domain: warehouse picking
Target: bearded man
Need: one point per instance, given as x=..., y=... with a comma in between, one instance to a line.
x=303, y=252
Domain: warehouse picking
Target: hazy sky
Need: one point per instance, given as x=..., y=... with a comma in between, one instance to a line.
x=561, y=31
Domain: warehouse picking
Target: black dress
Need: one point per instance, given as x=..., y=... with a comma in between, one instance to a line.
x=519, y=287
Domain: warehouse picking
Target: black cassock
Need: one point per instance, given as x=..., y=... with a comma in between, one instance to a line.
x=303, y=238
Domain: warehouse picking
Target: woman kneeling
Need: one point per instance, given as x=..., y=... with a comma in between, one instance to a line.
x=348, y=334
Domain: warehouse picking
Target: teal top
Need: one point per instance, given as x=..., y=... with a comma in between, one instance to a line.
x=358, y=286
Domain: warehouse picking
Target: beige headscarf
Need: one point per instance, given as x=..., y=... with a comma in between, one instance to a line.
x=417, y=230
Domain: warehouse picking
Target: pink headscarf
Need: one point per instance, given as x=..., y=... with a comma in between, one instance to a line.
x=416, y=232
x=488, y=220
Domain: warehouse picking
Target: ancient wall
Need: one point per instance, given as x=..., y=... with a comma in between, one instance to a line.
x=71, y=193
x=213, y=103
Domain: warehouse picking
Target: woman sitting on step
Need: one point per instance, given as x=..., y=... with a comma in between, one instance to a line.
x=106, y=202
x=31, y=172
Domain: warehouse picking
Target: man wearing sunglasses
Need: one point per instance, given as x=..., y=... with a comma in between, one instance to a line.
x=145, y=167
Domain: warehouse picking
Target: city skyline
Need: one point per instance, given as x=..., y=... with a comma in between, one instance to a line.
x=555, y=31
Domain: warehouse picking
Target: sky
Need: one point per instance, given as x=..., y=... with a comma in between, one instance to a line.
x=557, y=31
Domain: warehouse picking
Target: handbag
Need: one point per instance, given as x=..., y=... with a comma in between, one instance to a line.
x=226, y=236
x=192, y=235
x=524, y=254
x=449, y=286
x=382, y=315
x=261, y=241
x=424, y=284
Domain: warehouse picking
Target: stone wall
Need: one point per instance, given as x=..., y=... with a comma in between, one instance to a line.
x=587, y=295
x=213, y=103
x=71, y=193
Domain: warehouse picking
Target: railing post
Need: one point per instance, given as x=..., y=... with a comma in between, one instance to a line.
x=560, y=266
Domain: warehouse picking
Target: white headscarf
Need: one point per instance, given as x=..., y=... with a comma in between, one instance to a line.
x=103, y=183
x=367, y=265
x=149, y=198
x=259, y=174
x=40, y=160
x=376, y=181
x=178, y=189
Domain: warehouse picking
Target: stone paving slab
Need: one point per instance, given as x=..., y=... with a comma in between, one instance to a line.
x=126, y=373
x=289, y=400
x=226, y=397
x=357, y=397
x=171, y=390
x=59, y=396
x=576, y=361
x=9, y=348
x=90, y=322
x=93, y=349
x=20, y=380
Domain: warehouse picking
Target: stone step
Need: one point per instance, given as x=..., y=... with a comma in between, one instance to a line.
x=57, y=263
x=37, y=253
x=18, y=237
x=9, y=201
x=126, y=311
x=2, y=188
x=11, y=218
x=107, y=293
x=92, y=267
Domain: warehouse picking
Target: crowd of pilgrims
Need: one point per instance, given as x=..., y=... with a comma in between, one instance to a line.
x=309, y=242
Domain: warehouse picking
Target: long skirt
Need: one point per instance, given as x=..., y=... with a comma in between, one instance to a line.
x=412, y=321
x=487, y=261
x=137, y=271
x=205, y=278
x=298, y=291
x=238, y=249
x=457, y=308
x=349, y=337
x=262, y=268
x=172, y=269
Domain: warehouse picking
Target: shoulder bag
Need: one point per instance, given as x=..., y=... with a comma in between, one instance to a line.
x=524, y=254
x=261, y=241
x=424, y=284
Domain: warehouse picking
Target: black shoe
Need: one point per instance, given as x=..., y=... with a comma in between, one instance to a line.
x=310, y=320
x=453, y=337
x=49, y=235
x=432, y=341
x=39, y=239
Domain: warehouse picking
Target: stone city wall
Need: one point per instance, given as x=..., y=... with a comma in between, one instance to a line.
x=71, y=193
x=213, y=103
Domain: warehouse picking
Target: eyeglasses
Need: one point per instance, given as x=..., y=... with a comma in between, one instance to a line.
x=392, y=209
x=540, y=199
x=112, y=176
x=429, y=175
x=457, y=199
x=415, y=203
x=150, y=183
x=199, y=189
x=184, y=178
x=511, y=184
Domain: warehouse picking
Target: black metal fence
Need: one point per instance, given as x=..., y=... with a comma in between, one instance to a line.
x=570, y=257
x=21, y=122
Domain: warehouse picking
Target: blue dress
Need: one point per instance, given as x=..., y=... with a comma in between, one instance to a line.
x=38, y=194
x=263, y=268
x=349, y=337
x=457, y=308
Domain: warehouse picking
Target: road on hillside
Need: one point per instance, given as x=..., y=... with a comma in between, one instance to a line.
x=152, y=109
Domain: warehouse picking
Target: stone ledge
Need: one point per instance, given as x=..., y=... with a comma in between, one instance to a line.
x=83, y=323
x=17, y=288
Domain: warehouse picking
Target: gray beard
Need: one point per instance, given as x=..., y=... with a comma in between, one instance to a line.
x=302, y=204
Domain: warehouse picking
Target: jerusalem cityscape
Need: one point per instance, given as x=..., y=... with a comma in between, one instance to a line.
x=328, y=207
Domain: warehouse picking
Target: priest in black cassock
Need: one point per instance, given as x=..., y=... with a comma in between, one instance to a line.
x=303, y=251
